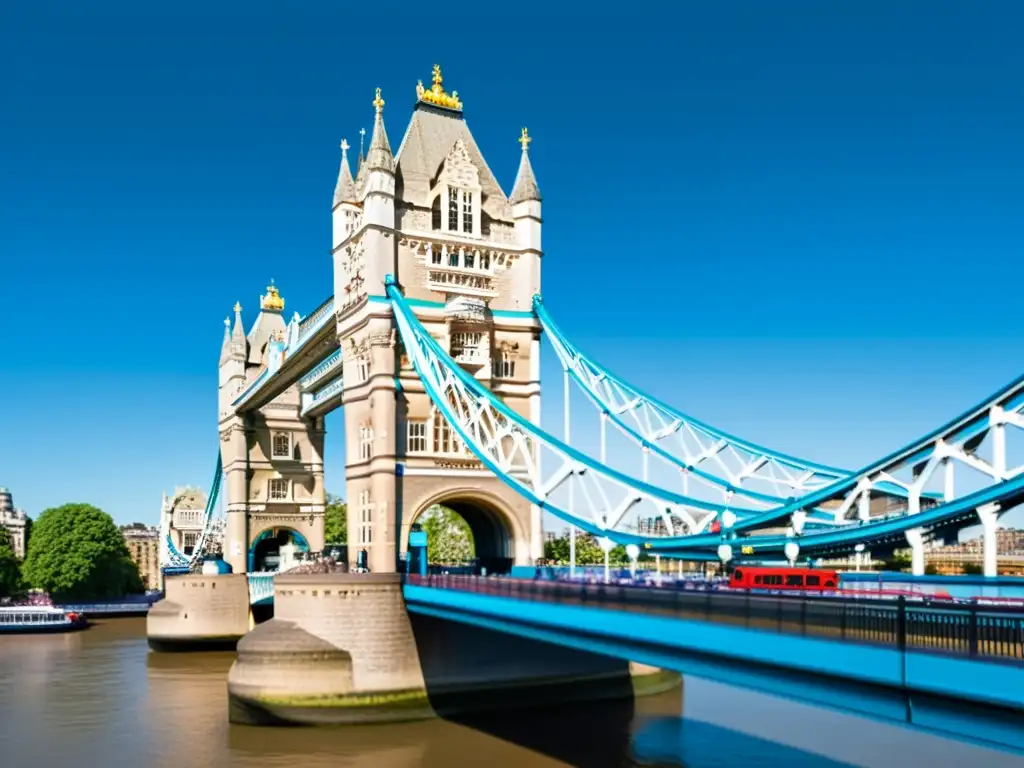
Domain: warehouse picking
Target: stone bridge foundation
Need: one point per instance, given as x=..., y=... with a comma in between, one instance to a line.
x=200, y=612
x=343, y=649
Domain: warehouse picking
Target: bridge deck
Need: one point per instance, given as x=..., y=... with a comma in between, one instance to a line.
x=989, y=634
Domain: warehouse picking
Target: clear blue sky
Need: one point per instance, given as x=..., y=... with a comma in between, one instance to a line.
x=800, y=221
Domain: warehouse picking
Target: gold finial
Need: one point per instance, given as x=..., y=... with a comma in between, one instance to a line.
x=238, y=306
x=524, y=139
x=378, y=102
x=436, y=95
x=344, y=145
x=272, y=301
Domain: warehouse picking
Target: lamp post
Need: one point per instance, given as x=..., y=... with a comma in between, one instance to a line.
x=633, y=552
x=792, y=550
x=607, y=545
x=859, y=557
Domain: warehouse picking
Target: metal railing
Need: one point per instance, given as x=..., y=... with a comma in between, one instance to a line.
x=979, y=632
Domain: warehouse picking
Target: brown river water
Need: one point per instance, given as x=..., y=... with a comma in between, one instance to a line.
x=100, y=698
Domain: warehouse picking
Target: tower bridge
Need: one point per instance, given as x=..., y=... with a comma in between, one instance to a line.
x=430, y=346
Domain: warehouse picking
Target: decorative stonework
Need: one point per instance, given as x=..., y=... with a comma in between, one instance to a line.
x=458, y=464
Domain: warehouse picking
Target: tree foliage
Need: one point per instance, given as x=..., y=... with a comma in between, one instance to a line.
x=10, y=568
x=449, y=538
x=77, y=553
x=588, y=551
x=335, y=520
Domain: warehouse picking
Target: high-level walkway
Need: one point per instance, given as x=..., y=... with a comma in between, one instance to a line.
x=959, y=651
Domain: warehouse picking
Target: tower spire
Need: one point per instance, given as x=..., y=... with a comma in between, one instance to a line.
x=379, y=156
x=225, y=347
x=345, y=189
x=525, y=187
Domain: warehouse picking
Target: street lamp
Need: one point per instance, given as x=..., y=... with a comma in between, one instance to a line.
x=728, y=519
x=607, y=545
x=792, y=549
x=633, y=551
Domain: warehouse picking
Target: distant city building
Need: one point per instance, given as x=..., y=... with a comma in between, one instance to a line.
x=15, y=521
x=144, y=548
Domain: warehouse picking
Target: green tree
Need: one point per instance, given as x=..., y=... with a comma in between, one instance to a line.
x=78, y=553
x=449, y=539
x=587, y=550
x=10, y=568
x=335, y=520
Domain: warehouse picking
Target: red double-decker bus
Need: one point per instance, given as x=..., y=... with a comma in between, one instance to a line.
x=797, y=579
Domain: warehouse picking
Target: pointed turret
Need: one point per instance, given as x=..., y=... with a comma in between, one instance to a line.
x=526, y=184
x=345, y=189
x=379, y=157
x=225, y=347
x=526, y=213
x=238, y=332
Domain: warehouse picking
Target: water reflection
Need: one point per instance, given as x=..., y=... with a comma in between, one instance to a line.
x=98, y=698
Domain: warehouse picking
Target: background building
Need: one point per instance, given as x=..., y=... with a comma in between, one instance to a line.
x=144, y=547
x=15, y=521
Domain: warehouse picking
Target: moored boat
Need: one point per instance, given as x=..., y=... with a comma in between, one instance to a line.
x=39, y=619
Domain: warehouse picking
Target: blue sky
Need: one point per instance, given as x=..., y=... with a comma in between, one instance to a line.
x=799, y=221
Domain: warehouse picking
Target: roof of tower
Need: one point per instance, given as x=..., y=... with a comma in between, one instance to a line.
x=526, y=184
x=345, y=189
x=436, y=125
x=268, y=322
x=379, y=156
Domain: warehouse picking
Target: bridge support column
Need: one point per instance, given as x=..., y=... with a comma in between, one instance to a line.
x=989, y=516
x=915, y=538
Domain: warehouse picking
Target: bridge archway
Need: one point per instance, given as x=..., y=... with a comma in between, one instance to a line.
x=494, y=526
x=268, y=546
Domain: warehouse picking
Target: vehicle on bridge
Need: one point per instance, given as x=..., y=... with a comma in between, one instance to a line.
x=781, y=578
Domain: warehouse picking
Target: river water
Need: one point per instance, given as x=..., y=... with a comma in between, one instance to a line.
x=100, y=698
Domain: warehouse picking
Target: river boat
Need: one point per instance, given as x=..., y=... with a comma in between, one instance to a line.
x=39, y=619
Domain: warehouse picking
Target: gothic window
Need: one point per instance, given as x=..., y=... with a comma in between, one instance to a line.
x=453, y=257
x=365, y=518
x=188, y=542
x=467, y=259
x=435, y=214
x=417, y=436
x=453, y=209
x=435, y=256
x=362, y=368
x=466, y=345
x=467, y=212
x=446, y=441
x=278, y=489
x=365, y=443
x=485, y=260
x=504, y=365
x=282, y=446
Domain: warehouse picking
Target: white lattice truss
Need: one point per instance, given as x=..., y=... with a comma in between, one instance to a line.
x=590, y=495
x=702, y=453
x=600, y=498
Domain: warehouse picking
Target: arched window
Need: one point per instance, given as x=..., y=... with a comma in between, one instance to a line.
x=504, y=365
x=365, y=443
x=365, y=518
x=282, y=446
x=446, y=441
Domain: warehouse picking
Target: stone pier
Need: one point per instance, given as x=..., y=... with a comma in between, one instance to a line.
x=200, y=612
x=343, y=649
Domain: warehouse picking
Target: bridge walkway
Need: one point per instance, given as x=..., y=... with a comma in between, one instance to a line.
x=978, y=633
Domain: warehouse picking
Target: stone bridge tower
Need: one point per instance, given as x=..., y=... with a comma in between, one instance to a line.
x=273, y=458
x=468, y=258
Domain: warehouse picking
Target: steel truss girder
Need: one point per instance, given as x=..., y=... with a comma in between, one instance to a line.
x=516, y=450
x=697, y=448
